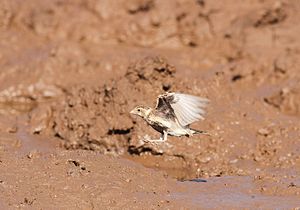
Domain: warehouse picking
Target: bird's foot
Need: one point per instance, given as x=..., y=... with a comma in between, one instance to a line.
x=163, y=138
x=154, y=141
x=198, y=132
x=205, y=133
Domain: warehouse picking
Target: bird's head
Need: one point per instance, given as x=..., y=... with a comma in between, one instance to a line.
x=141, y=111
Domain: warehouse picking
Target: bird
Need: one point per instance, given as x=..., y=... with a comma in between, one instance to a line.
x=173, y=114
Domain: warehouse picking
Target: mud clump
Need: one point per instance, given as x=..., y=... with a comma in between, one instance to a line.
x=97, y=118
x=88, y=116
x=286, y=100
x=152, y=73
x=22, y=98
x=272, y=16
x=137, y=6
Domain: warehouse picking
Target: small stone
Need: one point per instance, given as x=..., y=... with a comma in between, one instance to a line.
x=233, y=161
x=32, y=154
x=263, y=132
x=12, y=129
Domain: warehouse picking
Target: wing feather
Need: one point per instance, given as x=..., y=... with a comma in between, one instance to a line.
x=186, y=108
x=182, y=116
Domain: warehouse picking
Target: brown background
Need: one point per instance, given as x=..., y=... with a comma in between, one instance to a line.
x=71, y=70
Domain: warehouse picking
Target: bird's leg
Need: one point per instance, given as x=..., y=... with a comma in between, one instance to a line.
x=165, y=136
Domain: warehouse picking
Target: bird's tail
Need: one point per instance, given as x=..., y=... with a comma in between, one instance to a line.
x=199, y=132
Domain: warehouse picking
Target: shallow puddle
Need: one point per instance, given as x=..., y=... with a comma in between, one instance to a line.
x=231, y=192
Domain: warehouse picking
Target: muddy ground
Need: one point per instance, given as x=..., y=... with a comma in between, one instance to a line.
x=71, y=70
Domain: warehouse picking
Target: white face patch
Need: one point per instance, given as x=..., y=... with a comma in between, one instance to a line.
x=147, y=112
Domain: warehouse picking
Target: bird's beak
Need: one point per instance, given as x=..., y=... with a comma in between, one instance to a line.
x=132, y=112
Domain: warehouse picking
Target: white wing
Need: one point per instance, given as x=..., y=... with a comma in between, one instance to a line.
x=188, y=108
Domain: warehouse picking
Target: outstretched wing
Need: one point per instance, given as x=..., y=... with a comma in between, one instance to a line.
x=186, y=108
x=164, y=107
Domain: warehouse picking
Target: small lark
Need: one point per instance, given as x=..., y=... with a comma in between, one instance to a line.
x=173, y=114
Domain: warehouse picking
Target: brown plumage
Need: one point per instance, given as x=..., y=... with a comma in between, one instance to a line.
x=173, y=114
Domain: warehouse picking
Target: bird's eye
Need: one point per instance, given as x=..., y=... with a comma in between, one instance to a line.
x=138, y=110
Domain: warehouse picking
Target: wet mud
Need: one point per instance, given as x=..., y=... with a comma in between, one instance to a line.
x=72, y=70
